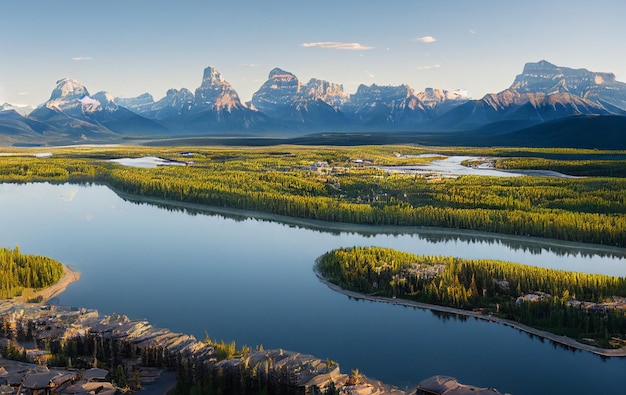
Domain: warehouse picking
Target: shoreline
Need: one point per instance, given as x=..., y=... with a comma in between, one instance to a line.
x=370, y=229
x=563, y=340
x=69, y=276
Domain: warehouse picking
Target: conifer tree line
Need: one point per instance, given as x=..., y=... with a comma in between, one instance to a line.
x=18, y=272
x=590, y=209
x=492, y=285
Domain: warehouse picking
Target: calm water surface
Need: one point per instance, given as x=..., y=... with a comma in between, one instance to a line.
x=251, y=281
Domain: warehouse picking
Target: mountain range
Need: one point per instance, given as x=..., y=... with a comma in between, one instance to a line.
x=284, y=106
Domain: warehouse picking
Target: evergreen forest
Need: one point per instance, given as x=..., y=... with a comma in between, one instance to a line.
x=19, y=272
x=348, y=184
x=587, y=307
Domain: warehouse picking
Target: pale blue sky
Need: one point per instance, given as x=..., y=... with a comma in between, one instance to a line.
x=134, y=46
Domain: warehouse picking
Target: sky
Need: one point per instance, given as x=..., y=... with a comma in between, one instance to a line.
x=134, y=46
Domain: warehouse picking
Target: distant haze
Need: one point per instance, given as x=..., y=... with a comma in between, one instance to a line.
x=128, y=48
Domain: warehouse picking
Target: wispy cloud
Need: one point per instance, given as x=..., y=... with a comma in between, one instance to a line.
x=251, y=65
x=425, y=39
x=428, y=67
x=23, y=93
x=472, y=32
x=82, y=58
x=337, y=45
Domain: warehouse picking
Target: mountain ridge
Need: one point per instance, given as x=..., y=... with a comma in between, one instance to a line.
x=284, y=105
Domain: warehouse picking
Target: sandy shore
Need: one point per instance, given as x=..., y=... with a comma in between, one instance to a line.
x=564, y=340
x=69, y=276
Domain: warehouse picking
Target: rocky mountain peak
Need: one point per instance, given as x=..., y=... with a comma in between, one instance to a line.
x=22, y=110
x=547, y=78
x=69, y=89
x=540, y=67
x=369, y=95
x=331, y=93
x=182, y=93
x=106, y=100
x=280, y=74
x=211, y=76
x=215, y=92
x=137, y=104
x=432, y=97
x=280, y=89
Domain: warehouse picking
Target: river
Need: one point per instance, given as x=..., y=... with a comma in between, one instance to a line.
x=251, y=280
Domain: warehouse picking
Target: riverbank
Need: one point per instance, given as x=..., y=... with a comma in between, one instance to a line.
x=69, y=276
x=563, y=340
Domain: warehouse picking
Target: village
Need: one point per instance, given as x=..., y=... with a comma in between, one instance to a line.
x=29, y=330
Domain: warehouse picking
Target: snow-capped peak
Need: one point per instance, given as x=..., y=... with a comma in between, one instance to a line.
x=23, y=110
x=70, y=89
x=88, y=100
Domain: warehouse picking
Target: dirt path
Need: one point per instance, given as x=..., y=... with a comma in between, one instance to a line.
x=564, y=340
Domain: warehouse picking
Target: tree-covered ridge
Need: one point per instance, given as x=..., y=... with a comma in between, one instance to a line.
x=281, y=180
x=540, y=297
x=19, y=272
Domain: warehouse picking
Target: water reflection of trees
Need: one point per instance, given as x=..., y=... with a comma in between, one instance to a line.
x=432, y=235
x=445, y=316
x=535, y=247
x=188, y=210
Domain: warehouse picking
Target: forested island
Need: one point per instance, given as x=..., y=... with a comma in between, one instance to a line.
x=347, y=184
x=20, y=273
x=590, y=308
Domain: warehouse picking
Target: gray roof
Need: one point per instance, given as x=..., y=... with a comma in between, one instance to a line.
x=95, y=373
x=438, y=384
x=446, y=385
x=46, y=380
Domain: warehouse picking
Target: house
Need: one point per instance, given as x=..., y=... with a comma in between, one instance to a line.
x=96, y=374
x=84, y=388
x=43, y=383
x=446, y=385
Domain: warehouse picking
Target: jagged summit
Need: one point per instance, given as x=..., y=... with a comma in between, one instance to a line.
x=106, y=100
x=280, y=89
x=284, y=104
x=305, y=106
x=215, y=92
x=548, y=78
x=211, y=76
x=137, y=104
x=280, y=73
x=542, y=65
x=329, y=92
x=69, y=89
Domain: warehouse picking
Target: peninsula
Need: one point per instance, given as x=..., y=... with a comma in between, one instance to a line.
x=514, y=295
